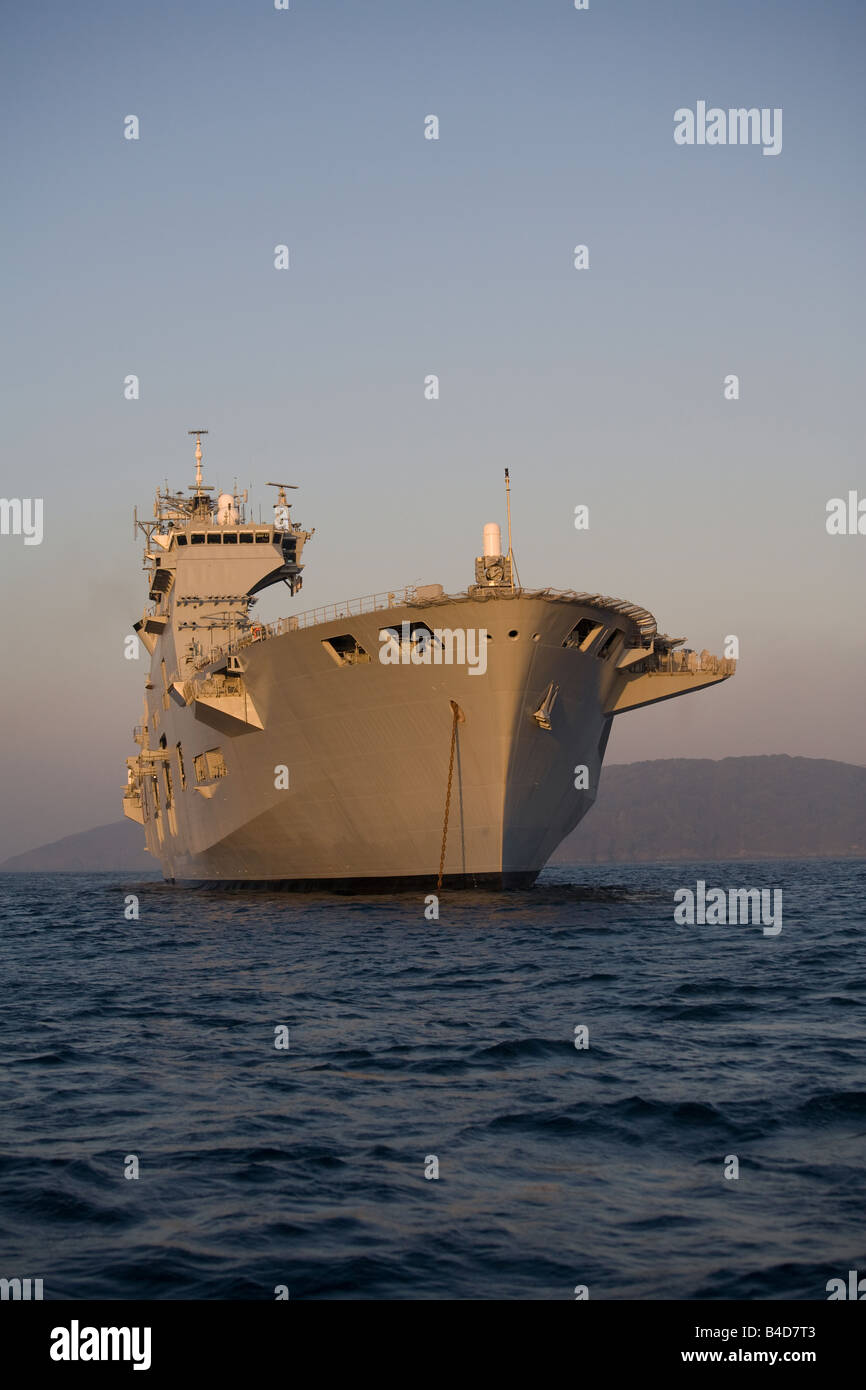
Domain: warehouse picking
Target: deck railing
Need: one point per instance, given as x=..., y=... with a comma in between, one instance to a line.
x=329, y=613
x=678, y=663
x=670, y=662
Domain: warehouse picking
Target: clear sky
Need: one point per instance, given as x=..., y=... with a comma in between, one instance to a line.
x=455, y=257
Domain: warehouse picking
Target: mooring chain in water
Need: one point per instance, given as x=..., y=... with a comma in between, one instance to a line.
x=459, y=717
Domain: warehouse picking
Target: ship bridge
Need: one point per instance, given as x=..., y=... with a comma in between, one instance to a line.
x=206, y=561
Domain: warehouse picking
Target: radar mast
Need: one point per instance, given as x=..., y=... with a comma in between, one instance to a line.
x=202, y=505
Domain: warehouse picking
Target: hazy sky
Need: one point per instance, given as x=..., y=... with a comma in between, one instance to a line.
x=455, y=257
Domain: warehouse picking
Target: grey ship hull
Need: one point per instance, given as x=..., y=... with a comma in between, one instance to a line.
x=366, y=747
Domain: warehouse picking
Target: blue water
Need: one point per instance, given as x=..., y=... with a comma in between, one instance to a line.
x=455, y=1038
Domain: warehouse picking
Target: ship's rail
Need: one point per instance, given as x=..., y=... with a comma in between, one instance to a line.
x=673, y=663
x=421, y=597
x=213, y=686
x=349, y=608
x=329, y=613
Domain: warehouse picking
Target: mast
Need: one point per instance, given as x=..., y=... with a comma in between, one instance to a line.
x=201, y=503
x=512, y=564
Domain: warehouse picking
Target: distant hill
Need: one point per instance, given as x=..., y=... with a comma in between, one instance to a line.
x=116, y=846
x=772, y=807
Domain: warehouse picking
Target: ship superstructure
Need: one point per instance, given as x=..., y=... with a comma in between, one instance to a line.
x=337, y=747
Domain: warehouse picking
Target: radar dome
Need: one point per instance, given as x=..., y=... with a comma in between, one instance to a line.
x=227, y=512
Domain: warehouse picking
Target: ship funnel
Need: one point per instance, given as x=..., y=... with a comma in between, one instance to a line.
x=492, y=544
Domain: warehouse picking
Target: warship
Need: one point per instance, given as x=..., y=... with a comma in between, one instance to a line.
x=402, y=739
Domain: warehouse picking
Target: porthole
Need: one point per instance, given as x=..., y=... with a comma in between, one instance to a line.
x=513, y=634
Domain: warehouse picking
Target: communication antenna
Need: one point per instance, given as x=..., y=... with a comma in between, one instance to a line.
x=512, y=562
x=199, y=486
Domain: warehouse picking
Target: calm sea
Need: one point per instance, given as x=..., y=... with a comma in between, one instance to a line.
x=411, y=1040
